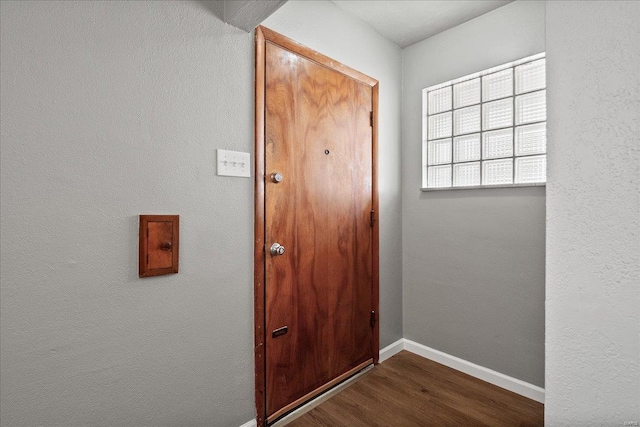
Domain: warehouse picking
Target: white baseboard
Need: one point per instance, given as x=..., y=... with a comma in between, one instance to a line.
x=252, y=423
x=391, y=350
x=496, y=378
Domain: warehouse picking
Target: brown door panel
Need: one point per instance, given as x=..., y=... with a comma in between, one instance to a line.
x=318, y=137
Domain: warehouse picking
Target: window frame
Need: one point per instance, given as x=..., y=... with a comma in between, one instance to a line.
x=513, y=127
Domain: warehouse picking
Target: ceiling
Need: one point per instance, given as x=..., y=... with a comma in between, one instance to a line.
x=406, y=22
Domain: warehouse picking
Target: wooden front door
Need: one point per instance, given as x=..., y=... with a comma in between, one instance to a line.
x=318, y=224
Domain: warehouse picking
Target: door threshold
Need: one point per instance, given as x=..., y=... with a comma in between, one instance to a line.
x=296, y=413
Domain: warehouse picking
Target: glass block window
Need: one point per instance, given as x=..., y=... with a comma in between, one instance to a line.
x=487, y=129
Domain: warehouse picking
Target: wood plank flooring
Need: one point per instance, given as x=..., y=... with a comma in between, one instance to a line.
x=409, y=390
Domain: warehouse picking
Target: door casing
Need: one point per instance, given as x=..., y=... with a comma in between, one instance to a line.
x=262, y=36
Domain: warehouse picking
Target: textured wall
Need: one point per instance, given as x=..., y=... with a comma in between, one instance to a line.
x=109, y=110
x=326, y=28
x=473, y=260
x=593, y=212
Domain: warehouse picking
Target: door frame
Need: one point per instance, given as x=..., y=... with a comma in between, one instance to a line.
x=262, y=37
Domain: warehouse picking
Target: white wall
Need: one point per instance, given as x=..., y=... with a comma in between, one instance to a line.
x=593, y=212
x=473, y=260
x=326, y=28
x=112, y=109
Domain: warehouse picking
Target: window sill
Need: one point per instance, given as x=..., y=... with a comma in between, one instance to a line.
x=478, y=187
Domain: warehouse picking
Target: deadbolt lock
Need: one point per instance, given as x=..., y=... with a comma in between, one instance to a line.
x=276, y=249
x=276, y=177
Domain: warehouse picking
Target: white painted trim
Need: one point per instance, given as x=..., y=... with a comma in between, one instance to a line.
x=252, y=423
x=496, y=378
x=391, y=350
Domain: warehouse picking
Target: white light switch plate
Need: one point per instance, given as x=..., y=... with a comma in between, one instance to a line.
x=234, y=163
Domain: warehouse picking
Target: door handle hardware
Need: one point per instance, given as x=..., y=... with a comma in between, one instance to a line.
x=279, y=331
x=276, y=177
x=276, y=249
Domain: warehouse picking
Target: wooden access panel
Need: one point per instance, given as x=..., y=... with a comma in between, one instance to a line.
x=158, y=245
x=315, y=304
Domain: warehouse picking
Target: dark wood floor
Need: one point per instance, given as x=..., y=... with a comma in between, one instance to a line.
x=408, y=390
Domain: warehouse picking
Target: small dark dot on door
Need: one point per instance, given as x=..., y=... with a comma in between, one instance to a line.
x=326, y=152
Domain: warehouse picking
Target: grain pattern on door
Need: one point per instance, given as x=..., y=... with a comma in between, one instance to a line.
x=318, y=136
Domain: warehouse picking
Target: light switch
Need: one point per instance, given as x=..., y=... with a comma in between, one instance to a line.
x=233, y=163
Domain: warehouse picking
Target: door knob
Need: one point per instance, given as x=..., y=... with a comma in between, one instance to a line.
x=276, y=177
x=276, y=249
